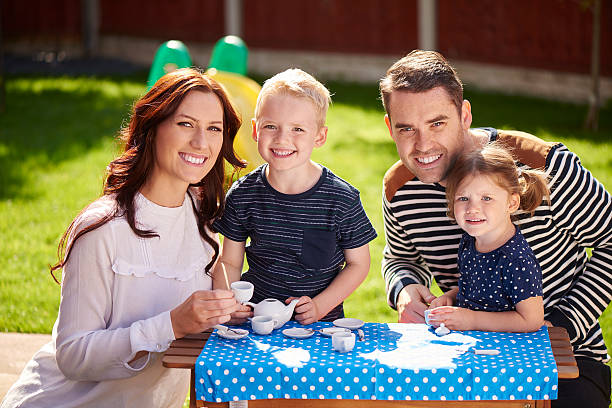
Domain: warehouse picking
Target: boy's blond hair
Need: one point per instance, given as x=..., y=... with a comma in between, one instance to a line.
x=296, y=82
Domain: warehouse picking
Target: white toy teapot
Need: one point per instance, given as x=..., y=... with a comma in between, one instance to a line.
x=274, y=308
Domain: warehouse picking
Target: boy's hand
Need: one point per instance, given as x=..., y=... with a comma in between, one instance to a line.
x=455, y=318
x=241, y=315
x=306, y=310
x=443, y=300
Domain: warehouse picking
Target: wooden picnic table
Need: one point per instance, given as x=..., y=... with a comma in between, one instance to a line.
x=184, y=352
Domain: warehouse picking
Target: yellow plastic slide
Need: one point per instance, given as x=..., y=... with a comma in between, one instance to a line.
x=243, y=93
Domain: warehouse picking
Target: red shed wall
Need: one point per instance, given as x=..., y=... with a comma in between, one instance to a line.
x=545, y=34
x=353, y=26
x=41, y=19
x=186, y=20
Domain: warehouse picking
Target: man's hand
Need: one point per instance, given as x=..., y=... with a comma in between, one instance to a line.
x=412, y=302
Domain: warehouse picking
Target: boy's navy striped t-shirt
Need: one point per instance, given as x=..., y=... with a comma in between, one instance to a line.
x=296, y=240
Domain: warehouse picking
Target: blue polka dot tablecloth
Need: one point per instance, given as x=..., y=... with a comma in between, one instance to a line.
x=395, y=362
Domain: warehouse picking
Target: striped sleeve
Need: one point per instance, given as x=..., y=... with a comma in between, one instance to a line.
x=583, y=209
x=402, y=264
x=355, y=227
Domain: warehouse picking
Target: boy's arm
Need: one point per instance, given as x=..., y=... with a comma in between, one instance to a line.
x=350, y=277
x=528, y=317
x=228, y=267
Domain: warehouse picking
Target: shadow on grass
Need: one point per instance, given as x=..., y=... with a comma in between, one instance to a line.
x=50, y=120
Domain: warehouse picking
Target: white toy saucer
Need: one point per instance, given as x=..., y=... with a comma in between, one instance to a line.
x=348, y=323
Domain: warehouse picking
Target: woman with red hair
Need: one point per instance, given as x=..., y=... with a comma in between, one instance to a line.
x=135, y=263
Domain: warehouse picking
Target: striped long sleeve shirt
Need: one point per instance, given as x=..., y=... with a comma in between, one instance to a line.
x=422, y=242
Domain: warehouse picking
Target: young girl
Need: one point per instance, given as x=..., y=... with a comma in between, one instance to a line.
x=500, y=283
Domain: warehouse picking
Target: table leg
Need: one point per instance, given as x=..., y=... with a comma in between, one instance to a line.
x=192, y=394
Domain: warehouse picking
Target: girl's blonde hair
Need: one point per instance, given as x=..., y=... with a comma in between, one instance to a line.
x=296, y=82
x=497, y=162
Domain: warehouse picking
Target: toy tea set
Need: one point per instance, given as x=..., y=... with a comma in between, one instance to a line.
x=270, y=314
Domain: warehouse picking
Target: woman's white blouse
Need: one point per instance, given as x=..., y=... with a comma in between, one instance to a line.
x=117, y=293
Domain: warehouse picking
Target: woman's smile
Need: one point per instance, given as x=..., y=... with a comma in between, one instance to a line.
x=193, y=159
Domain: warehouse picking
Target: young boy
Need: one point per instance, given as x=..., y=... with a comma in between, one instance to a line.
x=308, y=231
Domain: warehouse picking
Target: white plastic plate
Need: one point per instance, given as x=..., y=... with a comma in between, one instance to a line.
x=233, y=334
x=298, y=333
x=328, y=331
x=349, y=323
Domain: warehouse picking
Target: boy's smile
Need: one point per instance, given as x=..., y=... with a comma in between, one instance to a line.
x=286, y=132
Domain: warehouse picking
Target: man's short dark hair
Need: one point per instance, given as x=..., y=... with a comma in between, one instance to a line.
x=420, y=71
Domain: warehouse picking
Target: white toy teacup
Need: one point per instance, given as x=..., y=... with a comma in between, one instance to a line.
x=343, y=341
x=426, y=315
x=263, y=324
x=243, y=291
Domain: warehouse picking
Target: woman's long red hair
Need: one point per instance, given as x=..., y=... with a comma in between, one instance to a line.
x=128, y=172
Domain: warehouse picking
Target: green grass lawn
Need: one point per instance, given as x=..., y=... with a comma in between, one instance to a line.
x=58, y=134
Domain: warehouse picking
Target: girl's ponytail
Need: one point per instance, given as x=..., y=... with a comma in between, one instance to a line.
x=533, y=188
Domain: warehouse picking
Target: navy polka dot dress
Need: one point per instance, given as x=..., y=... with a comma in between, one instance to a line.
x=496, y=281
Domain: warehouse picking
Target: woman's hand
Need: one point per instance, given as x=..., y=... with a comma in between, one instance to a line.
x=306, y=310
x=202, y=310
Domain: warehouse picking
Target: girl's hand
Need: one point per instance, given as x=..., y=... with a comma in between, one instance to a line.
x=241, y=315
x=455, y=318
x=202, y=310
x=306, y=310
x=444, y=300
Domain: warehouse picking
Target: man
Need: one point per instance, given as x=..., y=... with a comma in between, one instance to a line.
x=430, y=124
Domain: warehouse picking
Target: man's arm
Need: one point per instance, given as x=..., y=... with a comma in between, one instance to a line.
x=406, y=275
x=581, y=206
